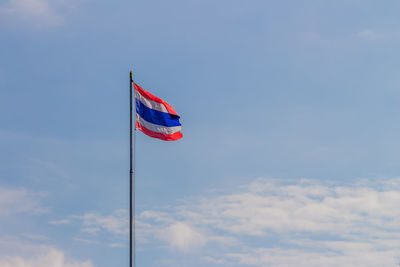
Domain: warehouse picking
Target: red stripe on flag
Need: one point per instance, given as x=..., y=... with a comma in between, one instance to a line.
x=151, y=97
x=165, y=137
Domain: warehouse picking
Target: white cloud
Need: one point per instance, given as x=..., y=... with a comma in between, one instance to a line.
x=275, y=223
x=20, y=200
x=90, y=230
x=62, y=221
x=116, y=223
x=267, y=206
x=369, y=35
x=316, y=224
x=34, y=236
x=82, y=240
x=36, y=12
x=182, y=236
x=51, y=258
x=15, y=253
x=92, y=225
x=156, y=215
x=116, y=245
x=351, y=255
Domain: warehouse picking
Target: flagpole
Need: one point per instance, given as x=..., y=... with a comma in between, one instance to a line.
x=131, y=179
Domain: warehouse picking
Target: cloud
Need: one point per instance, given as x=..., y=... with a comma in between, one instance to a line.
x=15, y=253
x=57, y=222
x=116, y=245
x=369, y=35
x=37, y=12
x=273, y=223
x=82, y=240
x=116, y=223
x=50, y=258
x=20, y=200
x=34, y=236
x=93, y=226
x=283, y=257
x=266, y=206
x=182, y=236
x=21, y=252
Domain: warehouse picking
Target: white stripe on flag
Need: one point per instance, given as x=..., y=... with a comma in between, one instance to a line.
x=158, y=128
x=150, y=104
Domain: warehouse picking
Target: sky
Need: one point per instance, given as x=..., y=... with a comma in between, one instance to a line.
x=290, y=153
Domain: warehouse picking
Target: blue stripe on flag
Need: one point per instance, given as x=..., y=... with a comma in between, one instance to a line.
x=155, y=116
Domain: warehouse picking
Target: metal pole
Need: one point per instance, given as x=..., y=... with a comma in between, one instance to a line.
x=131, y=180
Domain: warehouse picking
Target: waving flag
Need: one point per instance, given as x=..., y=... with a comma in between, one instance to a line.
x=155, y=117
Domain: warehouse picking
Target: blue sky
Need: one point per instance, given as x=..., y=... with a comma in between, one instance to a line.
x=290, y=155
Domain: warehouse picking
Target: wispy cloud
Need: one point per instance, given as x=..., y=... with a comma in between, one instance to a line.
x=116, y=223
x=15, y=253
x=369, y=35
x=270, y=222
x=116, y=245
x=92, y=225
x=43, y=13
x=35, y=236
x=63, y=221
x=50, y=258
x=83, y=240
x=20, y=200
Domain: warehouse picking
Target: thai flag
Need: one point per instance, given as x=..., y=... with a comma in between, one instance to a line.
x=155, y=117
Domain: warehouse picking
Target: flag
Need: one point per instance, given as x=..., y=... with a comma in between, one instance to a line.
x=155, y=117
